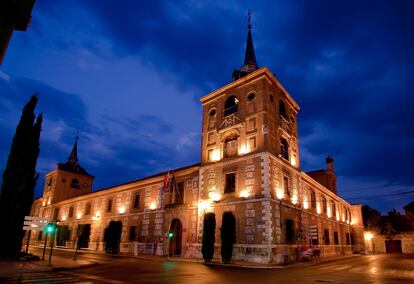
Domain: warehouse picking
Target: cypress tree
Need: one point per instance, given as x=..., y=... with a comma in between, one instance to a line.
x=228, y=236
x=19, y=180
x=209, y=229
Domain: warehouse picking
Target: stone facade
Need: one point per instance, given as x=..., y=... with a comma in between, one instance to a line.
x=250, y=165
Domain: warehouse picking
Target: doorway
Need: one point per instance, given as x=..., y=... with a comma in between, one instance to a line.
x=175, y=241
x=393, y=246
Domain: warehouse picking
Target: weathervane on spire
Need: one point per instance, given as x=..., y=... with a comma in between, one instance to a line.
x=249, y=26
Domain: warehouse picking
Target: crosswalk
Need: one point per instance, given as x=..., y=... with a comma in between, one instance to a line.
x=401, y=273
x=44, y=277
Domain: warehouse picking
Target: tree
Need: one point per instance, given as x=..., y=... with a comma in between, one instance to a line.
x=228, y=236
x=372, y=218
x=400, y=223
x=19, y=180
x=209, y=236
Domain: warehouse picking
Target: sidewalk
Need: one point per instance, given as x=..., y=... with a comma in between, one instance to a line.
x=58, y=263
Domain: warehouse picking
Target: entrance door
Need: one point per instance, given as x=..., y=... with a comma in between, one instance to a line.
x=175, y=242
x=84, y=232
x=393, y=246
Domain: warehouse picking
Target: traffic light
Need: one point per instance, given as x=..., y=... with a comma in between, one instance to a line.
x=170, y=234
x=50, y=228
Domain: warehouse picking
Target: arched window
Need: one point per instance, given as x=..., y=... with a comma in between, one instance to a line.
x=282, y=109
x=230, y=146
x=231, y=105
x=74, y=183
x=284, y=148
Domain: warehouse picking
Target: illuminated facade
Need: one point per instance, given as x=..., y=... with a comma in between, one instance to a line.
x=250, y=166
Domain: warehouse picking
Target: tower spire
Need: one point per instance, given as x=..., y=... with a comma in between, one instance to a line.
x=73, y=157
x=250, y=63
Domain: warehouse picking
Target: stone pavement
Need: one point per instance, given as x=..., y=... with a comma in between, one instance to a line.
x=58, y=263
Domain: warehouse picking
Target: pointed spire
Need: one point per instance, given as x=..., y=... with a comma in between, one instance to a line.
x=73, y=157
x=250, y=63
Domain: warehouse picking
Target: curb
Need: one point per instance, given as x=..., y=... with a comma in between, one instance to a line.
x=67, y=268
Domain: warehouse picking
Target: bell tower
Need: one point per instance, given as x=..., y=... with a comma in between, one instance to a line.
x=252, y=114
x=68, y=180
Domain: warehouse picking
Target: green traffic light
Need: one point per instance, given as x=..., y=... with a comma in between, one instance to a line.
x=170, y=234
x=50, y=228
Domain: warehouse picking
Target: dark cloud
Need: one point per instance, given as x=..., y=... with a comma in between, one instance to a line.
x=347, y=63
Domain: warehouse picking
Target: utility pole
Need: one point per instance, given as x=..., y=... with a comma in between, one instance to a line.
x=44, y=248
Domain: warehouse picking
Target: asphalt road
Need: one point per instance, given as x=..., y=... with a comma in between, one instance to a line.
x=361, y=269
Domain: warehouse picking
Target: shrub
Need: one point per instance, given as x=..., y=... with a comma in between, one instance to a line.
x=228, y=236
x=209, y=229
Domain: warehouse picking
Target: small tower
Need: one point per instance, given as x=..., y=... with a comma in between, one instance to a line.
x=326, y=177
x=68, y=180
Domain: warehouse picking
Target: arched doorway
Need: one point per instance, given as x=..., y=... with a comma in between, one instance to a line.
x=175, y=241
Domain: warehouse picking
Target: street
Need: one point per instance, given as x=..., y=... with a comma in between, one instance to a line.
x=361, y=269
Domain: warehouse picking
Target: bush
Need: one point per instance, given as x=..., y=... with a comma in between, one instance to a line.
x=209, y=229
x=228, y=236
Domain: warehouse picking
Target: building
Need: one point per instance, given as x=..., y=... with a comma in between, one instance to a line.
x=250, y=166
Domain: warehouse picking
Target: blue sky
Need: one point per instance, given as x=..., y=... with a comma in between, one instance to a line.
x=129, y=75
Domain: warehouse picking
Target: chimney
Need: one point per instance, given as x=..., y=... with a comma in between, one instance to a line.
x=330, y=163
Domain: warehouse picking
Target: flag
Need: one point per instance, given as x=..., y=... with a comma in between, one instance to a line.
x=166, y=181
x=173, y=183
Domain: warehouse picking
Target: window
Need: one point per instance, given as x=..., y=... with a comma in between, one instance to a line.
x=352, y=239
x=71, y=212
x=336, y=238
x=179, y=193
x=109, y=207
x=74, y=183
x=313, y=199
x=271, y=98
x=251, y=96
x=286, y=185
x=133, y=233
x=230, y=146
x=324, y=205
x=333, y=208
x=231, y=105
x=290, y=231
x=284, y=149
x=137, y=197
x=88, y=209
x=212, y=112
x=292, y=119
x=230, y=183
x=39, y=236
x=210, y=154
x=251, y=143
x=251, y=124
x=326, y=237
x=282, y=109
x=210, y=138
x=55, y=213
x=348, y=241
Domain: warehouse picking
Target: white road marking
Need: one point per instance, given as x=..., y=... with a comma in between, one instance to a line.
x=93, y=277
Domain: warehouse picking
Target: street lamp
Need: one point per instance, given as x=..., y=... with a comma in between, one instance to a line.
x=368, y=236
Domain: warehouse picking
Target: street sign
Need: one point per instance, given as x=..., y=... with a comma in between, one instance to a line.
x=36, y=218
x=32, y=223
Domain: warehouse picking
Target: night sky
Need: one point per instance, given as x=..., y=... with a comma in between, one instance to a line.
x=129, y=75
